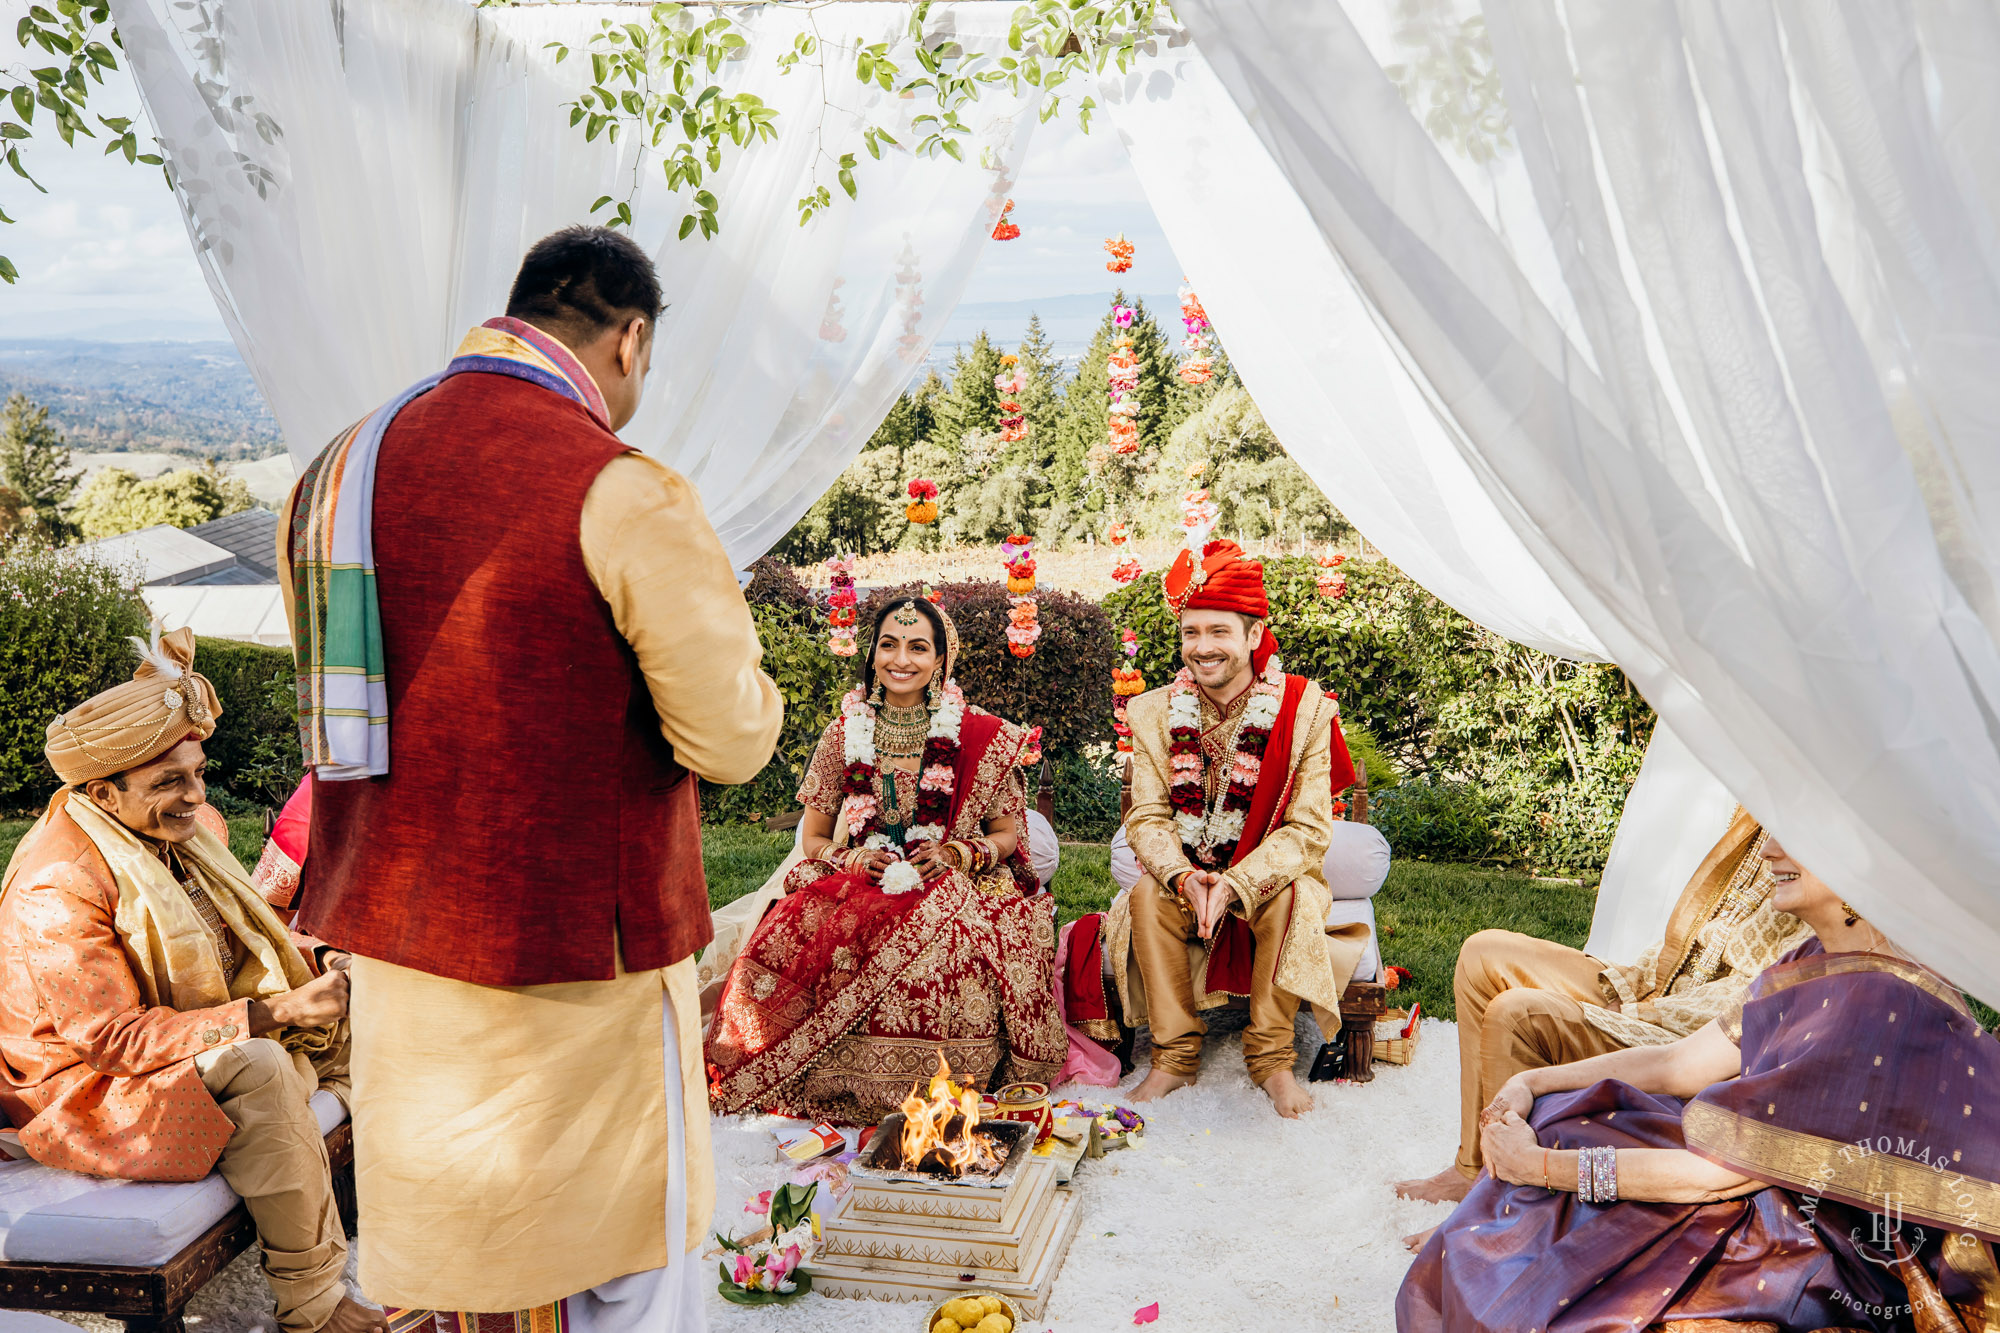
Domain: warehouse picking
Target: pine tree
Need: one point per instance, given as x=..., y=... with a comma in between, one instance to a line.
x=35, y=462
x=1086, y=407
x=1041, y=400
x=971, y=403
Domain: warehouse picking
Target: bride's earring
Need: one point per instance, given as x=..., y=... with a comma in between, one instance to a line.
x=875, y=695
x=934, y=692
x=1852, y=915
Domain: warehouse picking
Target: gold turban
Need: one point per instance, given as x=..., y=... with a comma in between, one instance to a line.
x=163, y=704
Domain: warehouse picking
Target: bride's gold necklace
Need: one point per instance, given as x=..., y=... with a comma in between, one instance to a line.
x=900, y=732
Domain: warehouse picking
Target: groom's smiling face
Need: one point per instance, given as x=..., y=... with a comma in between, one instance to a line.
x=1216, y=645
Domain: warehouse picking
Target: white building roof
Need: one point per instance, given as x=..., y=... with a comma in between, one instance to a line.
x=254, y=614
x=165, y=554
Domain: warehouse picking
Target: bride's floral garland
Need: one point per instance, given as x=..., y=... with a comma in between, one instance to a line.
x=936, y=783
x=1212, y=835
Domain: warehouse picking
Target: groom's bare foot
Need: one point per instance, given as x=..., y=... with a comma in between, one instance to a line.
x=1288, y=1099
x=1418, y=1241
x=1447, y=1186
x=1158, y=1083
x=351, y=1316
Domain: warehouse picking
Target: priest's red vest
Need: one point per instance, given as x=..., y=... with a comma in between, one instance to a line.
x=532, y=813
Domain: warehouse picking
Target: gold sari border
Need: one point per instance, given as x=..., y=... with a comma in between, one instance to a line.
x=1779, y=979
x=1855, y=1173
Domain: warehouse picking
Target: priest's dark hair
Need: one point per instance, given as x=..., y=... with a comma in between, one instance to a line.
x=582, y=282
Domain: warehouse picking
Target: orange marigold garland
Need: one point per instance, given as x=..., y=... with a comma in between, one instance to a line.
x=1120, y=251
x=1330, y=584
x=1023, y=626
x=1125, y=682
x=840, y=602
x=1198, y=368
x=922, y=507
x=1003, y=230
x=1012, y=382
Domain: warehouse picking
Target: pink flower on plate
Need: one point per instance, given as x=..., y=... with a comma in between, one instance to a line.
x=759, y=1205
x=744, y=1274
x=936, y=778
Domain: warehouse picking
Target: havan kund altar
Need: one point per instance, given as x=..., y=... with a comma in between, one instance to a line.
x=944, y=1202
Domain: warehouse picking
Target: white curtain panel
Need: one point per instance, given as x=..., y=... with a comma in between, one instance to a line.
x=1716, y=329
x=1326, y=377
x=361, y=177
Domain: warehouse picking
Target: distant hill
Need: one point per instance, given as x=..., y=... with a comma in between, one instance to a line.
x=193, y=398
x=1068, y=321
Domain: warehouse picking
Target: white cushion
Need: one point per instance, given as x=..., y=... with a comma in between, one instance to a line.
x=1347, y=911
x=1044, y=850
x=1357, y=860
x=1125, y=869
x=52, y=1216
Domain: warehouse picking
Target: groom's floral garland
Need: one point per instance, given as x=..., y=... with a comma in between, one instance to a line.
x=935, y=784
x=1213, y=834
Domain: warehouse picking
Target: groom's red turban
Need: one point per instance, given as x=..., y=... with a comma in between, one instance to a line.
x=1226, y=580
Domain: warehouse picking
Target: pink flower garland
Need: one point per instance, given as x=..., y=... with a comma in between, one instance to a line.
x=1211, y=835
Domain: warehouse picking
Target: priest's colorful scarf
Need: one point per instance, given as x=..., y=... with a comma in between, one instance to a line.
x=337, y=624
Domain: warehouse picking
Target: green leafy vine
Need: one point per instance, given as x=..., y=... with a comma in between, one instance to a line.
x=79, y=34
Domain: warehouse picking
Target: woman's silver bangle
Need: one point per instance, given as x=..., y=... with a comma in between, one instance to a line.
x=1597, y=1175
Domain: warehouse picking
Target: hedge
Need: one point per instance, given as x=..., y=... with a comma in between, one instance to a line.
x=254, y=754
x=64, y=620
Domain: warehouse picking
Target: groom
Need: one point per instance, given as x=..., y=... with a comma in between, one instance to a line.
x=548, y=627
x=1232, y=809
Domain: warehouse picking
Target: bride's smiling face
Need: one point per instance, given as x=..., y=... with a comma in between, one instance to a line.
x=1796, y=889
x=905, y=660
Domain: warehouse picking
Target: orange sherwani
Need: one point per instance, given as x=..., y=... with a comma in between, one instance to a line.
x=95, y=1080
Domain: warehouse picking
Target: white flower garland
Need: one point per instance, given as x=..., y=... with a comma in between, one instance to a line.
x=864, y=811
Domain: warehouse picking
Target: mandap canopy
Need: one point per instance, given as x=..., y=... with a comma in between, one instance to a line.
x=1665, y=334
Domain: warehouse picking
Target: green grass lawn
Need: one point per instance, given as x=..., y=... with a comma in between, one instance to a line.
x=1424, y=912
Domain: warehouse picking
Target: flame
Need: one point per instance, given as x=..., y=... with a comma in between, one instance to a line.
x=938, y=1131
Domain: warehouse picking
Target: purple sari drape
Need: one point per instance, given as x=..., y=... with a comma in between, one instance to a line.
x=1820, y=1033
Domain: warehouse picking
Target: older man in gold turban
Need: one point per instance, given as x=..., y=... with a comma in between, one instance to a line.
x=157, y=1021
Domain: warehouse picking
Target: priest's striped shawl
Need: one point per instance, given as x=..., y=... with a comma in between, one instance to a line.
x=337, y=623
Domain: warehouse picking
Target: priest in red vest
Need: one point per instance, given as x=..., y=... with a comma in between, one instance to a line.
x=1232, y=809
x=548, y=627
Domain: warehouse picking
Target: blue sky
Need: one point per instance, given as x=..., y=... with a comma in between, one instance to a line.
x=105, y=254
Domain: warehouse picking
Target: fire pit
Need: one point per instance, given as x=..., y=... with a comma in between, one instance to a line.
x=1006, y=1144
x=944, y=1200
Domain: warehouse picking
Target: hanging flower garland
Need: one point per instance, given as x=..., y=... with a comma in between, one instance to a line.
x=1004, y=230
x=922, y=507
x=1198, y=368
x=1031, y=748
x=1125, y=682
x=937, y=781
x=1117, y=534
x=1198, y=516
x=1127, y=571
x=1330, y=584
x=840, y=603
x=1121, y=373
x=1012, y=382
x=1023, y=623
x=1212, y=834
x=909, y=300
x=830, y=328
x=1120, y=251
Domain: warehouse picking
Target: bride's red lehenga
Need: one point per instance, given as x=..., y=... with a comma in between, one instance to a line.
x=845, y=994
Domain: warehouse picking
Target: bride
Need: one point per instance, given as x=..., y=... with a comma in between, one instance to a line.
x=908, y=929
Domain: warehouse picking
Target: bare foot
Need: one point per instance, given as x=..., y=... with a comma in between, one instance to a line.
x=1419, y=1240
x=1289, y=1099
x=351, y=1316
x=1158, y=1083
x=1447, y=1186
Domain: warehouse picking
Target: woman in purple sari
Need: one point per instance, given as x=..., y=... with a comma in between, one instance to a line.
x=1819, y=1161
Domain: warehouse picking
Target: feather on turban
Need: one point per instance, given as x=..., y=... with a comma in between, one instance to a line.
x=166, y=702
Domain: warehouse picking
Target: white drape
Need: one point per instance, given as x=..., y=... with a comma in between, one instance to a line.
x=1323, y=374
x=1717, y=341
x=361, y=177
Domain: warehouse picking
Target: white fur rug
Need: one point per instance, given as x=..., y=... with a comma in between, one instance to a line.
x=1232, y=1220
